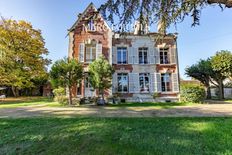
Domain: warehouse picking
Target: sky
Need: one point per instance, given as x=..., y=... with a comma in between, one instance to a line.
x=54, y=17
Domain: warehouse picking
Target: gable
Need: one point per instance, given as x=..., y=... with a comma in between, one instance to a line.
x=90, y=13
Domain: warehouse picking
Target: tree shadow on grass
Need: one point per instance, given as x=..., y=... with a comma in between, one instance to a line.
x=22, y=100
x=116, y=136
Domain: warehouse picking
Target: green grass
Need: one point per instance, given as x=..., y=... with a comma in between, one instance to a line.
x=121, y=136
x=27, y=101
x=230, y=100
x=157, y=105
x=33, y=101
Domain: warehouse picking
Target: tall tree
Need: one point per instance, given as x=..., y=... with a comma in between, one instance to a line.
x=203, y=72
x=164, y=12
x=22, y=55
x=100, y=72
x=222, y=64
x=66, y=73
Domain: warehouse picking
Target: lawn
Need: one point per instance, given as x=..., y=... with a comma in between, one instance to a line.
x=230, y=100
x=33, y=101
x=27, y=101
x=116, y=136
x=157, y=105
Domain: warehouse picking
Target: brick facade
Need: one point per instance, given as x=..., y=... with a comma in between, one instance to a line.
x=148, y=64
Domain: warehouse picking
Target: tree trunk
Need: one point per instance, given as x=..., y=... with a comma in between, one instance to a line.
x=70, y=96
x=102, y=94
x=221, y=90
x=14, y=91
x=208, y=92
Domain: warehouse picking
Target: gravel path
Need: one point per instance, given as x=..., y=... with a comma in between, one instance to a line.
x=205, y=110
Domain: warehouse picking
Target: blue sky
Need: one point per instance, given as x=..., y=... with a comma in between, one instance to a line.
x=54, y=17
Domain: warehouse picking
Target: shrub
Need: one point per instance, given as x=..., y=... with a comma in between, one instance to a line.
x=192, y=93
x=61, y=99
x=60, y=96
x=59, y=91
x=155, y=95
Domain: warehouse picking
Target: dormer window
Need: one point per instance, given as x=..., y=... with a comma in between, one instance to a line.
x=91, y=26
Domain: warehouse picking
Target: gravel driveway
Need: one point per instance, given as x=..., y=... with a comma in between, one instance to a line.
x=205, y=110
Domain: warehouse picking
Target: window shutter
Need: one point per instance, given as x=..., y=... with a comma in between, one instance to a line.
x=175, y=82
x=114, y=55
x=98, y=50
x=173, y=55
x=151, y=55
x=152, y=83
x=82, y=52
x=158, y=82
x=114, y=83
x=157, y=55
x=136, y=55
x=136, y=80
x=133, y=82
x=130, y=55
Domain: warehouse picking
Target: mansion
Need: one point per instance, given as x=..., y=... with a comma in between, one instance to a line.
x=144, y=63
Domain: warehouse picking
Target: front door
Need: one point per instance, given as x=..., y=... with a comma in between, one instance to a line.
x=89, y=91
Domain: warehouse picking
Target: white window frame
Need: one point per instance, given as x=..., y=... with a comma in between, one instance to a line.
x=87, y=83
x=162, y=54
x=122, y=50
x=143, y=75
x=122, y=75
x=91, y=53
x=143, y=50
x=165, y=82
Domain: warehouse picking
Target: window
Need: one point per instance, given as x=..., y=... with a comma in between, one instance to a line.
x=122, y=55
x=143, y=55
x=90, y=53
x=91, y=25
x=79, y=86
x=123, y=83
x=144, y=82
x=164, y=56
x=87, y=83
x=166, y=82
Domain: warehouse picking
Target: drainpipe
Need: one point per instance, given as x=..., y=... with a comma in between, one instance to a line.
x=177, y=60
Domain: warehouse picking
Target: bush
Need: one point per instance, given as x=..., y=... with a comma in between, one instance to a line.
x=61, y=99
x=59, y=91
x=60, y=96
x=192, y=93
x=155, y=95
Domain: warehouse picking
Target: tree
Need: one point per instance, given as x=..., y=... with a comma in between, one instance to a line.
x=164, y=12
x=222, y=64
x=203, y=72
x=21, y=55
x=206, y=74
x=66, y=73
x=100, y=73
